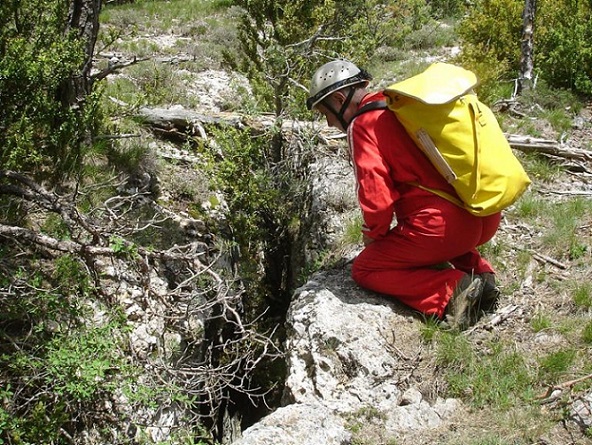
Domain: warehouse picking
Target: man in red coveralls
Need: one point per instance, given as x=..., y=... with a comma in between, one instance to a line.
x=405, y=261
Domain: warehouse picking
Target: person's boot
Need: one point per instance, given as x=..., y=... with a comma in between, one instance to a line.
x=491, y=293
x=468, y=291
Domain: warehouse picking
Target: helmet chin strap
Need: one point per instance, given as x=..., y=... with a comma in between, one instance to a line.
x=339, y=114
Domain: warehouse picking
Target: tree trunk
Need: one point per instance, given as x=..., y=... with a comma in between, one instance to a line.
x=527, y=47
x=83, y=19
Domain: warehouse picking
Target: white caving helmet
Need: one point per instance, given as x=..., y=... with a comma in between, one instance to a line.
x=334, y=76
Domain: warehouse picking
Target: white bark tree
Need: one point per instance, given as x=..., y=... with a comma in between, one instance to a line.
x=525, y=78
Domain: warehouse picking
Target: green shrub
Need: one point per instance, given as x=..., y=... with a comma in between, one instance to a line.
x=60, y=364
x=40, y=131
x=489, y=70
x=431, y=35
x=266, y=206
x=554, y=105
x=447, y=8
x=551, y=99
x=564, y=44
x=280, y=45
x=404, y=18
x=491, y=35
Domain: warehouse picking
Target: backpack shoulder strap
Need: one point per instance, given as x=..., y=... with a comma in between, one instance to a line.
x=375, y=105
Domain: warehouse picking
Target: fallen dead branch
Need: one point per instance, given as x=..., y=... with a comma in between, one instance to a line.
x=500, y=316
x=183, y=121
x=567, y=192
x=547, y=259
x=544, y=258
x=554, y=391
x=529, y=144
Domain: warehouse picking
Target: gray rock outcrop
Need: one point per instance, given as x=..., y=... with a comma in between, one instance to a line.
x=354, y=364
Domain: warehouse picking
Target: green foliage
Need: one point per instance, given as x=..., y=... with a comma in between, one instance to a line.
x=492, y=31
x=159, y=84
x=71, y=277
x=541, y=169
x=131, y=158
x=366, y=426
x=489, y=36
x=77, y=365
x=559, y=120
x=60, y=367
x=540, y=322
x=243, y=174
x=122, y=247
x=431, y=35
x=582, y=295
x=565, y=218
x=282, y=42
x=556, y=106
x=352, y=235
x=529, y=206
x=266, y=204
x=61, y=375
x=494, y=27
x=55, y=227
x=52, y=364
x=564, y=44
x=429, y=329
x=38, y=58
x=551, y=99
x=447, y=8
x=161, y=16
x=403, y=19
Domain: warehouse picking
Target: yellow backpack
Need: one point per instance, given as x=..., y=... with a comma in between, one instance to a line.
x=461, y=137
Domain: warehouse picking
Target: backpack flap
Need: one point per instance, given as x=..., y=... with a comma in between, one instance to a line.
x=440, y=83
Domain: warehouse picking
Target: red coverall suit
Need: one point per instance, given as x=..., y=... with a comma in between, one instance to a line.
x=430, y=230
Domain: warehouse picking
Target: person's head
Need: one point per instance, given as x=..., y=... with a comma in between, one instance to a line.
x=336, y=89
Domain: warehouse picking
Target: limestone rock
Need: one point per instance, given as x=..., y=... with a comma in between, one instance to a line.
x=350, y=355
x=298, y=424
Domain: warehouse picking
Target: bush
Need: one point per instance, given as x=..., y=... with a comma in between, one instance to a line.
x=491, y=37
x=283, y=42
x=54, y=369
x=40, y=130
x=564, y=44
x=447, y=8
x=402, y=19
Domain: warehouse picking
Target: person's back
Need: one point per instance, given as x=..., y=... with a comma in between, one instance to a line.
x=408, y=166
